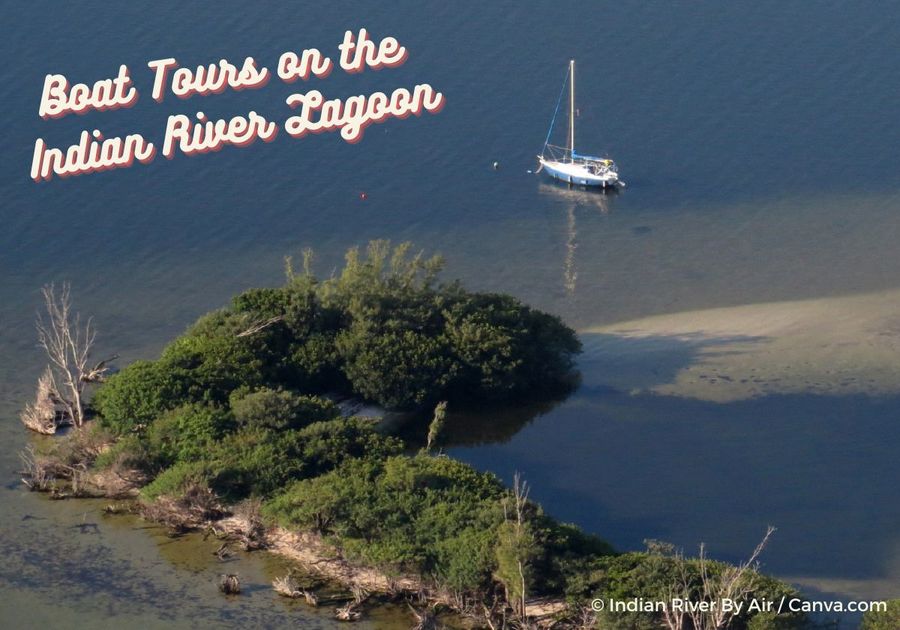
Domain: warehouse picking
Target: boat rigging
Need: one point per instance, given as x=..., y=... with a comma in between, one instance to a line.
x=565, y=163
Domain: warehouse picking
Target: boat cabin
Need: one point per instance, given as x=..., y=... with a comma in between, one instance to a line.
x=595, y=165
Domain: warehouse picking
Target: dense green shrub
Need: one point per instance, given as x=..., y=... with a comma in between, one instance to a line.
x=279, y=409
x=502, y=347
x=325, y=445
x=261, y=462
x=255, y=461
x=384, y=330
x=220, y=358
x=464, y=562
x=175, y=479
x=438, y=516
x=248, y=461
x=129, y=453
x=263, y=302
x=418, y=513
x=883, y=620
x=315, y=365
x=394, y=369
x=187, y=433
x=138, y=394
x=566, y=555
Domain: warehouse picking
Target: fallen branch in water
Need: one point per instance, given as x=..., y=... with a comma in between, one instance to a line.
x=288, y=586
x=347, y=612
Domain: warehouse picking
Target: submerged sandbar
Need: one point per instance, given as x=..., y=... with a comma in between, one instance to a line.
x=836, y=345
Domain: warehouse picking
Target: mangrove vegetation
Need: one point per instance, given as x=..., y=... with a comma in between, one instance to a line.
x=241, y=409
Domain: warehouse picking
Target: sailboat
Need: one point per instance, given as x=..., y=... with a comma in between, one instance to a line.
x=566, y=164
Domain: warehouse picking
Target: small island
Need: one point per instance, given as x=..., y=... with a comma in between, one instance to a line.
x=238, y=429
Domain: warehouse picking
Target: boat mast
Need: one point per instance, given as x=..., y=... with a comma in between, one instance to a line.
x=572, y=109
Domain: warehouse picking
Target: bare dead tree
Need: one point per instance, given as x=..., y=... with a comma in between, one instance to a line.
x=674, y=618
x=68, y=345
x=732, y=582
x=195, y=507
x=520, y=491
x=310, y=598
x=97, y=374
x=519, y=539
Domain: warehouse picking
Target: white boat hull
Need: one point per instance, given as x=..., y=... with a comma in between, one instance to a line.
x=578, y=174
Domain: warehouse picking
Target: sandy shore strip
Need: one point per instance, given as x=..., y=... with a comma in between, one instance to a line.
x=840, y=345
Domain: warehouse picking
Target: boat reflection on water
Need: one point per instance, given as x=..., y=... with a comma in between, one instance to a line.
x=591, y=197
x=575, y=198
x=497, y=424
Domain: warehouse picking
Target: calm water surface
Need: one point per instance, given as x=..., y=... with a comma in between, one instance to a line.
x=759, y=141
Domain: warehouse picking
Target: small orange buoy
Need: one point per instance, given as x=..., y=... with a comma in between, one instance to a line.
x=363, y=196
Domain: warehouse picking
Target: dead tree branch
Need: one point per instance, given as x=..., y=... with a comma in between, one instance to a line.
x=520, y=491
x=716, y=584
x=68, y=345
x=260, y=326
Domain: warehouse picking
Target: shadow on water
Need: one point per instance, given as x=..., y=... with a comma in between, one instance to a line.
x=648, y=360
x=487, y=423
x=645, y=361
x=629, y=464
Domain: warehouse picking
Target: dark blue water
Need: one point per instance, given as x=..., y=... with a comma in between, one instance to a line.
x=759, y=142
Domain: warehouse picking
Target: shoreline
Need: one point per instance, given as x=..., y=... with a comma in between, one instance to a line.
x=312, y=552
x=241, y=406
